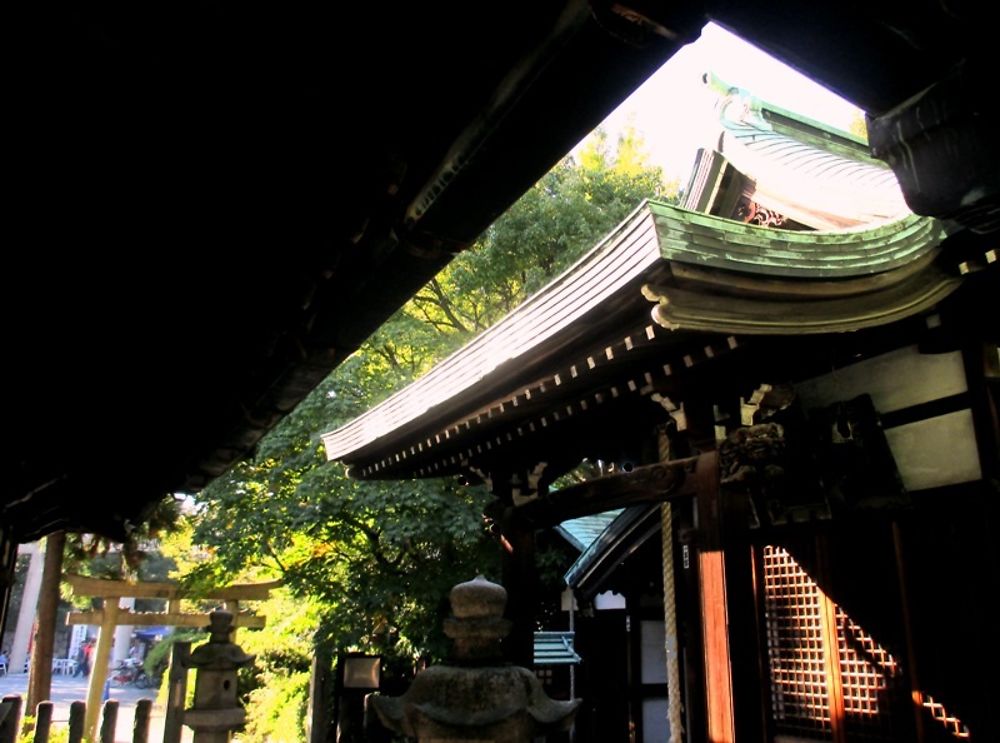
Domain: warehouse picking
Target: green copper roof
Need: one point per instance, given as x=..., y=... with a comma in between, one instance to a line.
x=795, y=124
x=707, y=240
x=803, y=169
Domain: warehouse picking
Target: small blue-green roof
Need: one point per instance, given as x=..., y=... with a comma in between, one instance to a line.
x=555, y=649
x=633, y=526
x=584, y=531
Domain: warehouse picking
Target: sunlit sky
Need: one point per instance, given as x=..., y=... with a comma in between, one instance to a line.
x=673, y=110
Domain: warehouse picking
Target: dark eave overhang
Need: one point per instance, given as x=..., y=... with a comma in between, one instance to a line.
x=220, y=204
x=215, y=204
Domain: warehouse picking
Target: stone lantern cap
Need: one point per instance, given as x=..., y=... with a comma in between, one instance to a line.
x=219, y=653
x=478, y=598
x=477, y=625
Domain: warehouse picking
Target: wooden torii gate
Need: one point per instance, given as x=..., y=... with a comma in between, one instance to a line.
x=111, y=616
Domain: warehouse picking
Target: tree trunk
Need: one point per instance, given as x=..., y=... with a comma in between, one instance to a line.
x=40, y=679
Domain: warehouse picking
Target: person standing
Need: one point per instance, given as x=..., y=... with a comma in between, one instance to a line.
x=88, y=651
x=81, y=660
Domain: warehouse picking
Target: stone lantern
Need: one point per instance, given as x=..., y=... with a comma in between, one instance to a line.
x=216, y=711
x=478, y=697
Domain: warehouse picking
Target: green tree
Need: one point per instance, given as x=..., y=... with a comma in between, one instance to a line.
x=859, y=127
x=370, y=562
x=554, y=223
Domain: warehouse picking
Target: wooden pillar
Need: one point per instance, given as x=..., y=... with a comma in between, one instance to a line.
x=828, y=628
x=715, y=642
x=714, y=614
x=747, y=638
x=692, y=635
x=176, y=692
x=99, y=667
x=519, y=578
x=40, y=677
x=26, y=614
x=911, y=655
x=8, y=559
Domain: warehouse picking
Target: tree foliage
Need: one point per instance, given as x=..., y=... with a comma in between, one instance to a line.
x=565, y=214
x=136, y=557
x=371, y=563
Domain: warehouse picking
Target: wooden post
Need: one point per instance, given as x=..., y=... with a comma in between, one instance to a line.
x=718, y=679
x=747, y=641
x=911, y=655
x=8, y=560
x=828, y=629
x=99, y=668
x=691, y=644
x=140, y=724
x=320, y=680
x=43, y=722
x=77, y=717
x=714, y=616
x=10, y=722
x=40, y=677
x=176, y=692
x=109, y=721
x=519, y=576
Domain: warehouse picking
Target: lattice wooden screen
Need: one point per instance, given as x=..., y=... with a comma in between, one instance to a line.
x=870, y=679
x=829, y=678
x=800, y=697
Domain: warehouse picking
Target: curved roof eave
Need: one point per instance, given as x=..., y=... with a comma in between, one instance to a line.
x=654, y=237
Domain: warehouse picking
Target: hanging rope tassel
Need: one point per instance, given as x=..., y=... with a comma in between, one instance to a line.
x=670, y=608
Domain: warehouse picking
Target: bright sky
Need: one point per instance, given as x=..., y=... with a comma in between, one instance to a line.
x=673, y=110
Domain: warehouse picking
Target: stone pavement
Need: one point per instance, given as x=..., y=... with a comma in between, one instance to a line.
x=67, y=689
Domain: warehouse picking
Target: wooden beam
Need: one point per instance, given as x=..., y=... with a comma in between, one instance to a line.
x=154, y=619
x=99, y=587
x=648, y=484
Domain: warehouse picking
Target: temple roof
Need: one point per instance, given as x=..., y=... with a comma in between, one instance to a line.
x=706, y=273
x=802, y=169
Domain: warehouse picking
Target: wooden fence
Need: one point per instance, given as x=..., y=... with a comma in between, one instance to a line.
x=10, y=721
